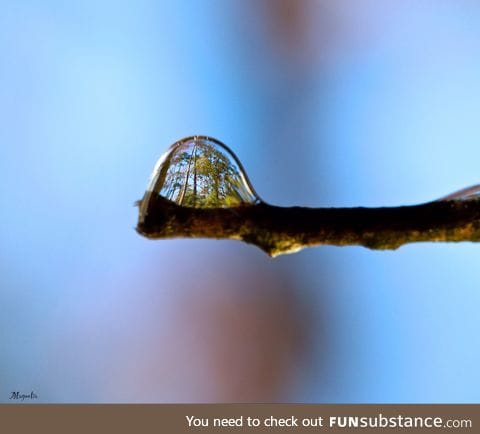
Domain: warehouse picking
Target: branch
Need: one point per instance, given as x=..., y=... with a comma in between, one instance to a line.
x=278, y=230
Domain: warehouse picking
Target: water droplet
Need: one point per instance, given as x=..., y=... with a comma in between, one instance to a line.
x=201, y=172
x=469, y=193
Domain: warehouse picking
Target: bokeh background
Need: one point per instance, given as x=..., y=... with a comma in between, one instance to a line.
x=327, y=103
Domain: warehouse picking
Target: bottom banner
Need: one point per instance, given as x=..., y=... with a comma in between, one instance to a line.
x=239, y=418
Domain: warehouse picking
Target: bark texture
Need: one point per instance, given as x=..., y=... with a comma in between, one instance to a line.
x=279, y=230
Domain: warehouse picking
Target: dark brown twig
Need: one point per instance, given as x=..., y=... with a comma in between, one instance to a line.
x=279, y=230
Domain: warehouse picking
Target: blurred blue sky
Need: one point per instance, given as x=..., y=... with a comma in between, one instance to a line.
x=328, y=103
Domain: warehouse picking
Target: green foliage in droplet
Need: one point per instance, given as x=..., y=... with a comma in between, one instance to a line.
x=202, y=176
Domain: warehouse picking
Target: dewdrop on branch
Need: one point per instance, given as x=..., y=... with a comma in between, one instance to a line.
x=469, y=193
x=199, y=189
x=201, y=172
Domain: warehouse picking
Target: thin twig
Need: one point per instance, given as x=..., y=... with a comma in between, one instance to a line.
x=279, y=230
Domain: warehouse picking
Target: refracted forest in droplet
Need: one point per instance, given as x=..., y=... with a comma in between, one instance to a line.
x=201, y=175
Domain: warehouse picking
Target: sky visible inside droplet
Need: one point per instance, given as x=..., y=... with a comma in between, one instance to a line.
x=326, y=104
x=201, y=172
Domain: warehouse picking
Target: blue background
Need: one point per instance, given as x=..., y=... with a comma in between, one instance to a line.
x=331, y=103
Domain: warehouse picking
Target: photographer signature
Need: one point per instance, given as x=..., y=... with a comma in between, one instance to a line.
x=22, y=396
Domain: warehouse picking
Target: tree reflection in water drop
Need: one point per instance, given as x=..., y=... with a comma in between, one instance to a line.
x=201, y=172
